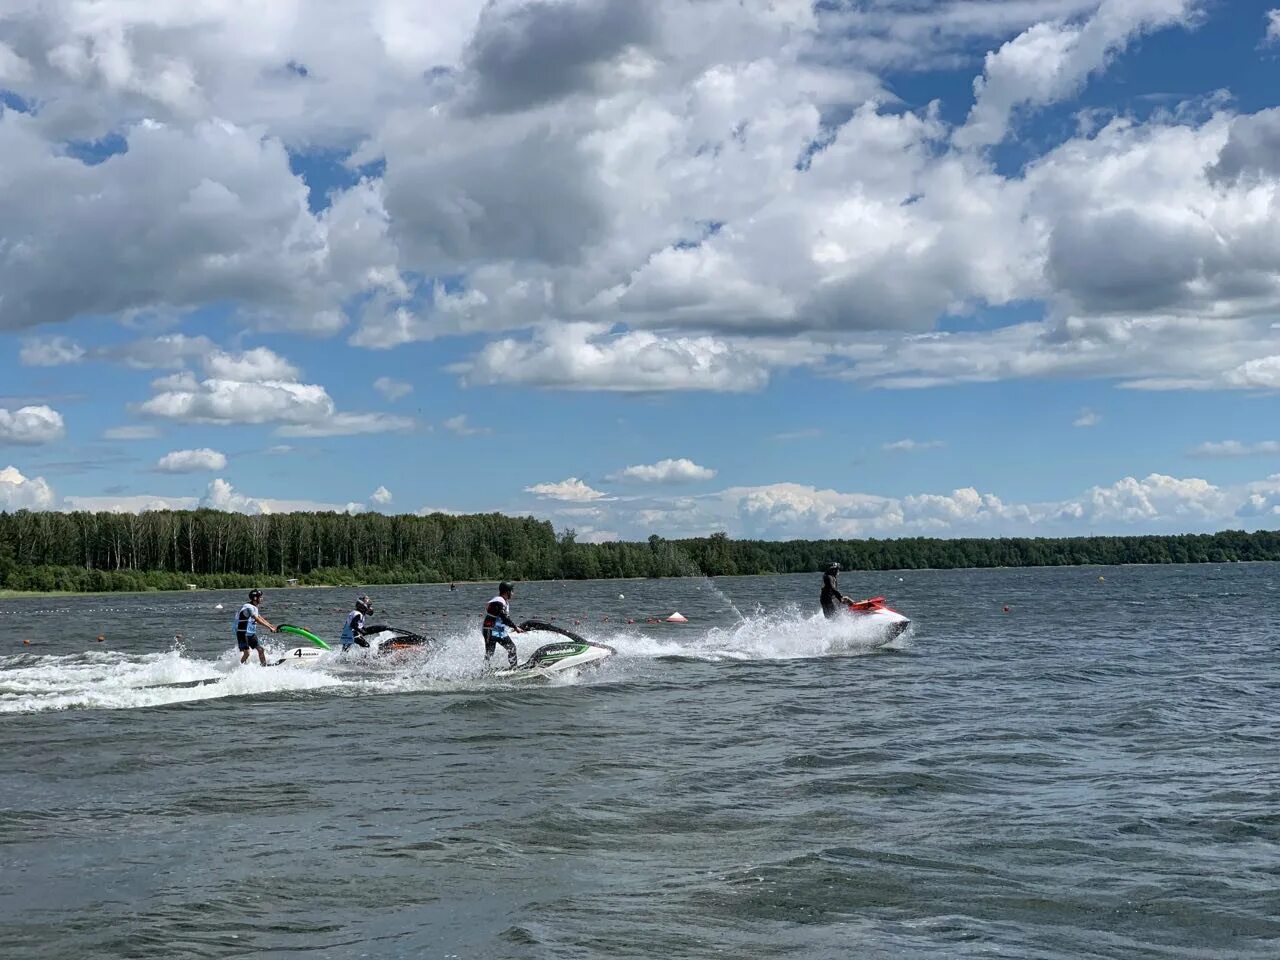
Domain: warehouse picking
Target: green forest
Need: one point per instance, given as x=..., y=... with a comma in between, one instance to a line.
x=170, y=550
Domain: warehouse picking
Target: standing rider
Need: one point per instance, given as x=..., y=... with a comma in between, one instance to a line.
x=497, y=618
x=353, y=629
x=831, y=594
x=247, y=621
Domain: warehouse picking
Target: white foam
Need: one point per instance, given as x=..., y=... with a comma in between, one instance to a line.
x=107, y=680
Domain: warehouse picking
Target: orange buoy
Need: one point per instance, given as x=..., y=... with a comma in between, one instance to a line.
x=26, y=643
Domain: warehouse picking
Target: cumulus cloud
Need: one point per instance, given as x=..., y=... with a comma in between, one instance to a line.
x=381, y=496
x=53, y=352
x=1051, y=59
x=251, y=365
x=584, y=357
x=1087, y=418
x=682, y=470
x=259, y=387
x=18, y=492
x=191, y=461
x=1273, y=26
x=571, y=489
x=31, y=426
x=392, y=389
x=622, y=196
x=1234, y=448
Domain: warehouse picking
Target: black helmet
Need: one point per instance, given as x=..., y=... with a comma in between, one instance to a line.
x=255, y=596
x=506, y=586
x=364, y=604
x=833, y=567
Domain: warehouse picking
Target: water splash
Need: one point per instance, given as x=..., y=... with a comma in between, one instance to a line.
x=107, y=680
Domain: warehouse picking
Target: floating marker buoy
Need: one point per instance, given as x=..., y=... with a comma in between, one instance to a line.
x=1006, y=609
x=677, y=617
x=629, y=620
x=217, y=606
x=622, y=596
x=1102, y=578
x=26, y=643
x=101, y=638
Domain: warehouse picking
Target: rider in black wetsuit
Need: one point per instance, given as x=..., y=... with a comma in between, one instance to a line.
x=831, y=594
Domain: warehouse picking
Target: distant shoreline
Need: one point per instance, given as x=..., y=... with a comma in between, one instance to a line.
x=850, y=575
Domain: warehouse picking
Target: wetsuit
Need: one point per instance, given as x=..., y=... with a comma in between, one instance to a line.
x=247, y=628
x=497, y=618
x=831, y=596
x=353, y=631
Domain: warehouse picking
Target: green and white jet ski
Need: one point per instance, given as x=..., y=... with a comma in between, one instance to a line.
x=559, y=657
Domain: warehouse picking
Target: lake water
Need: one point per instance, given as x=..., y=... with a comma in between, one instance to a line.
x=1093, y=773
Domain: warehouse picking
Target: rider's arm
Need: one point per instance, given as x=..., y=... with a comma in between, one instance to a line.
x=265, y=623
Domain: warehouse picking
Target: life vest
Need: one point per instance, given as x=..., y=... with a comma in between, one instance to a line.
x=493, y=622
x=353, y=628
x=246, y=625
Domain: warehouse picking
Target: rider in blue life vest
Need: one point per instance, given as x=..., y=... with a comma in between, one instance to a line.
x=497, y=621
x=247, y=621
x=353, y=630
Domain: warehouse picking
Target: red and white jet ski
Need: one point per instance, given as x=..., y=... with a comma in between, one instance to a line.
x=876, y=616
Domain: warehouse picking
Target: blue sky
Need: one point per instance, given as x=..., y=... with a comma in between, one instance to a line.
x=859, y=269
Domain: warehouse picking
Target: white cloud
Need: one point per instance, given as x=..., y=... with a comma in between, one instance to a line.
x=682, y=470
x=191, y=461
x=381, y=496
x=570, y=489
x=584, y=357
x=258, y=364
x=1050, y=60
x=22, y=493
x=31, y=426
x=53, y=352
x=138, y=503
x=392, y=389
x=130, y=433
x=232, y=401
x=1273, y=26
x=221, y=495
x=1234, y=448
x=460, y=426
x=703, y=193
x=1087, y=418
x=912, y=446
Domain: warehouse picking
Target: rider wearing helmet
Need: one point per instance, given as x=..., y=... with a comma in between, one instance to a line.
x=353, y=630
x=831, y=594
x=497, y=620
x=247, y=621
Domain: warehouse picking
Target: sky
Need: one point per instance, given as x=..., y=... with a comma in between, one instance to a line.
x=852, y=268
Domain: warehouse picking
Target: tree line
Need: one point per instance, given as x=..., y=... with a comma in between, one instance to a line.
x=171, y=549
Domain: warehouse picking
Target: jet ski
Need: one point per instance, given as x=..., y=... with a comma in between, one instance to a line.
x=561, y=656
x=386, y=640
x=875, y=616
x=383, y=641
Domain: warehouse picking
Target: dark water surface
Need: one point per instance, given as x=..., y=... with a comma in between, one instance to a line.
x=1095, y=773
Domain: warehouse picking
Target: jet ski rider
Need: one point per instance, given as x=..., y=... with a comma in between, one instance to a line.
x=831, y=594
x=353, y=630
x=247, y=621
x=497, y=620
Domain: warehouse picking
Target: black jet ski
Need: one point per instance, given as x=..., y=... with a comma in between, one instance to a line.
x=385, y=640
x=558, y=657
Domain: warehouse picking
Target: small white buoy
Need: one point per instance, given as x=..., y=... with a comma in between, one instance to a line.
x=677, y=617
x=622, y=596
x=217, y=606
